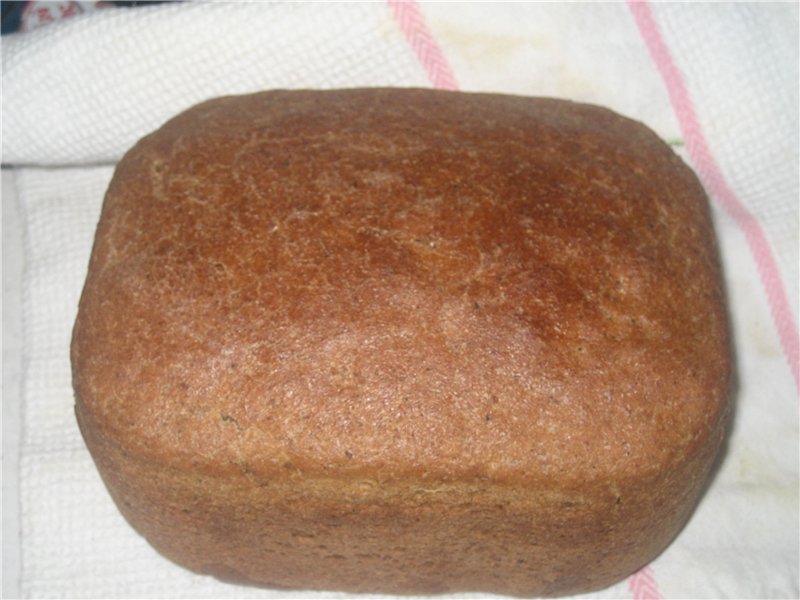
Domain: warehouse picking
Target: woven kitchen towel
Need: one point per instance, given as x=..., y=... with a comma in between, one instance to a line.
x=80, y=92
x=86, y=88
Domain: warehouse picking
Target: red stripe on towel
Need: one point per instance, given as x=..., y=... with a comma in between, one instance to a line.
x=643, y=586
x=714, y=180
x=412, y=24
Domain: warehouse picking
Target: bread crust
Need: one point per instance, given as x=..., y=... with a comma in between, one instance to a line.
x=400, y=340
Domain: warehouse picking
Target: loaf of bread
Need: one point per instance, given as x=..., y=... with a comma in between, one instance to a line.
x=404, y=341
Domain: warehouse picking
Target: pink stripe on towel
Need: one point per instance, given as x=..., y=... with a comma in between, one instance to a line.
x=412, y=24
x=643, y=586
x=714, y=180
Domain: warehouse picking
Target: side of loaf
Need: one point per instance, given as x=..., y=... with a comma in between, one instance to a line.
x=404, y=341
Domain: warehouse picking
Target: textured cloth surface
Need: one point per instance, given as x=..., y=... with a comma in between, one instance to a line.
x=718, y=82
x=84, y=90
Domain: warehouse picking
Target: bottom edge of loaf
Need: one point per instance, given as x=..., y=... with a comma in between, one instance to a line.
x=302, y=535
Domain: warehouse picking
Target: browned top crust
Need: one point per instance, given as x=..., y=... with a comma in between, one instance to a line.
x=404, y=284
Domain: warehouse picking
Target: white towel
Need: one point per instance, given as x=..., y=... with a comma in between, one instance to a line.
x=719, y=82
